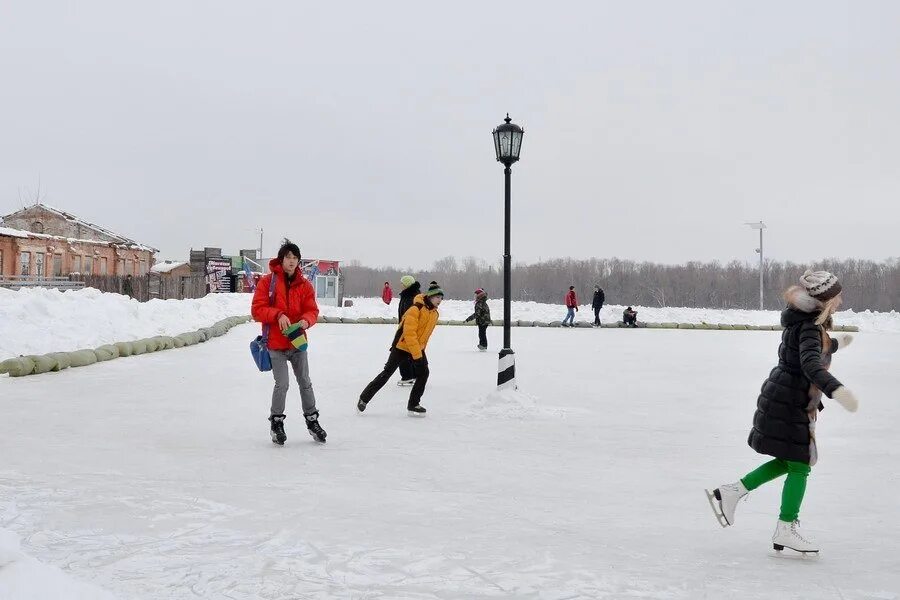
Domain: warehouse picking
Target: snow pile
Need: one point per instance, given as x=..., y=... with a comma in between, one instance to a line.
x=25, y=578
x=40, y=320
x=511, y=404
x=534, y=311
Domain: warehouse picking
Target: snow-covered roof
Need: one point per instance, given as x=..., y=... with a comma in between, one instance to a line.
x=10, y=232
x=118, y=239
x=21, y=233
x=167, y=266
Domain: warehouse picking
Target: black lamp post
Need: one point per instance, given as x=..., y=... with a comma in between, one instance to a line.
x=507, y=143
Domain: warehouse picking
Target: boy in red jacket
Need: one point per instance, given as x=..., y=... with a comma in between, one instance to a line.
x=571, y=306
x=294, y=302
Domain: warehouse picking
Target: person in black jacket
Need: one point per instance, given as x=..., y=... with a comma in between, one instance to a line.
x=411, y=289
x=482, y=318
x=597, y=304
x=788, y=404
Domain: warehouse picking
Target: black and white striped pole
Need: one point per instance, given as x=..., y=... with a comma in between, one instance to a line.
x=507, y=144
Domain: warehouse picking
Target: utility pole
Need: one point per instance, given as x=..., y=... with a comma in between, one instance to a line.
x=760, y=225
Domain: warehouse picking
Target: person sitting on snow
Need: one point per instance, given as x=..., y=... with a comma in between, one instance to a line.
x=629, y=317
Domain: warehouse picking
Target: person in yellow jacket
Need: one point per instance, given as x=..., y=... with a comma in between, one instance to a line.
x=415, y=328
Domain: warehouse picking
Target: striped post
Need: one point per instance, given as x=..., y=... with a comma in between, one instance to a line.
x=506, y=370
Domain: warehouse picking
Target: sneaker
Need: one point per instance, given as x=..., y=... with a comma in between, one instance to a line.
x=277, y=429
x=416, y=410
x=314, y=428
x=787, y=535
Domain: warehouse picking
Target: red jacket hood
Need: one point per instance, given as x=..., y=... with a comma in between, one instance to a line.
x=275, y=266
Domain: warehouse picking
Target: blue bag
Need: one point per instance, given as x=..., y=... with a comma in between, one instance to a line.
x=259, y=347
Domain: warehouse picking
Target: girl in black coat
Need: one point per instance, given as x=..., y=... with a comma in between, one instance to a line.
x=788, y=403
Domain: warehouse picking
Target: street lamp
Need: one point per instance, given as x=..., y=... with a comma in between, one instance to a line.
x=760, y=225
x=507, y=143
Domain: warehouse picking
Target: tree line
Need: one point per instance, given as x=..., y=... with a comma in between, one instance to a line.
x=867, y=284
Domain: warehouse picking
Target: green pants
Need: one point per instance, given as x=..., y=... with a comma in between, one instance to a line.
x=794, y=485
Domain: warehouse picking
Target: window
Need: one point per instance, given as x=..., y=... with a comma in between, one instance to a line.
x=24, y=263
x=121, y=269
x=103, y=270
x=89, y=265
x=326, y=286
x=37, y=227
x=143, y=270
x=57, y=265
x=76, y=263
x=39, y=264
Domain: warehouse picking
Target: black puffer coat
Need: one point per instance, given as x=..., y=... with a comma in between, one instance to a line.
x=781, y=422
x=406, y=298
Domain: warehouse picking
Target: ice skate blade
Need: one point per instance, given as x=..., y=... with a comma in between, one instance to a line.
x=402, y=383
x=779, y=551
x=316, y=438
x=712, y=496
x=418, y=415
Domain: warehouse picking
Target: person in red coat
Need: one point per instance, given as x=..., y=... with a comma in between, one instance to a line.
x=571, y=306
x=387, y=294
x=293, y=302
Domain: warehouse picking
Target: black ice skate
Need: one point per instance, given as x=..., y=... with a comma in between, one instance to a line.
x=315, y=430
x=417, y=410
x=277, y=429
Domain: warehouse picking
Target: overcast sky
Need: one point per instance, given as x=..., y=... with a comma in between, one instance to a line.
x=653, y=130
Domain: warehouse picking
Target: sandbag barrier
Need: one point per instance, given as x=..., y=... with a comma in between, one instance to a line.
x=582, y=325
x=57, y=361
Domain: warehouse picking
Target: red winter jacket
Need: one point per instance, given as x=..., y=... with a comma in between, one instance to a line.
x=387, y=294
x=571, y=300
x=297, y=302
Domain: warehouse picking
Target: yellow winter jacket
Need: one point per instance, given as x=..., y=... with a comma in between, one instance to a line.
x=418, y=323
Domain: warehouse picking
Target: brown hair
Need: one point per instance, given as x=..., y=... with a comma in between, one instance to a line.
x=826, y=322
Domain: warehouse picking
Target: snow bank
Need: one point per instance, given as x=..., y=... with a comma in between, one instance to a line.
x=25, y=578
x=533, y=311
x=39, y=320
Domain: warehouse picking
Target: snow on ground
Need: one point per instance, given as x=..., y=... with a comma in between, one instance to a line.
x=40, y=320
x=24, y=578
x=157, y=478
x=534, y=311
x=37, y=321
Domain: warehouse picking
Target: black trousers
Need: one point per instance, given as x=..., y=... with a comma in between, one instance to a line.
x=395, y=359
x=407, y=371
x=630, y=321
x=597, y=315
x=482, y=336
